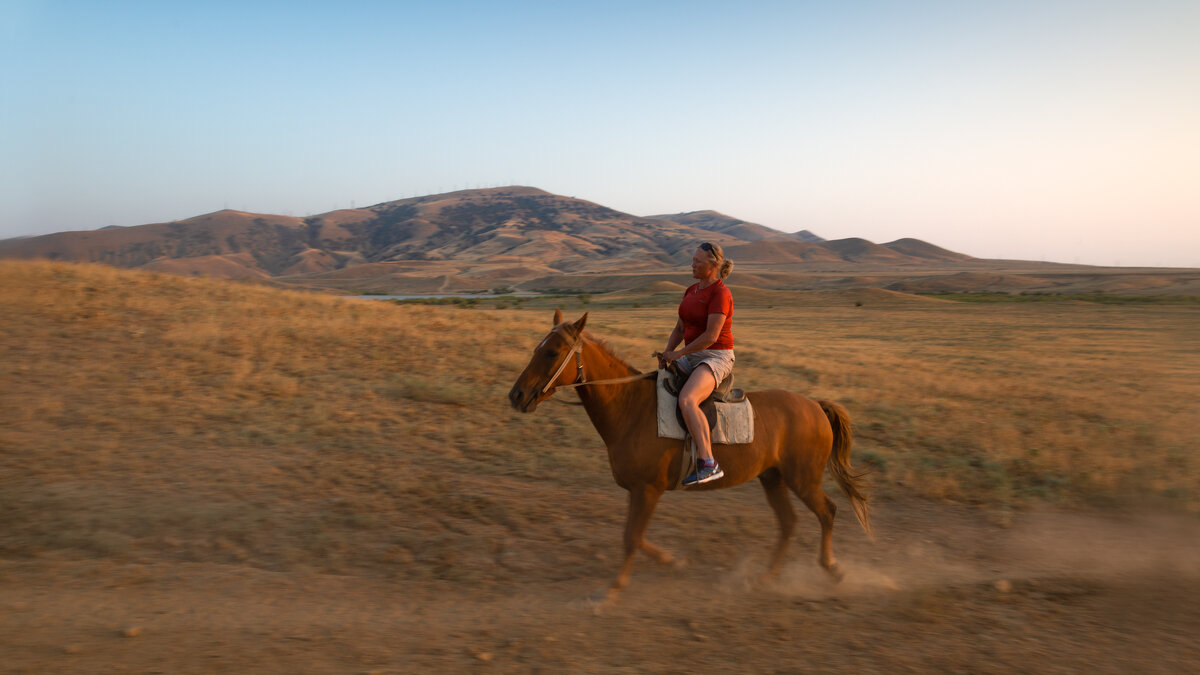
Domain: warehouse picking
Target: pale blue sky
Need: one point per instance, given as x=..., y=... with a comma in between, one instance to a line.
x=1066, y=131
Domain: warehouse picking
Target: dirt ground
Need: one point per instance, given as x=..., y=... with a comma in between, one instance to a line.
x=942, y=588
x=199, y=476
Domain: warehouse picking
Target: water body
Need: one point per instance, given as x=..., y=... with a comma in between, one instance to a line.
x=435, y=296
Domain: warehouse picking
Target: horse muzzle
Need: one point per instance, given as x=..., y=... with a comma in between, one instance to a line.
x=522, y=401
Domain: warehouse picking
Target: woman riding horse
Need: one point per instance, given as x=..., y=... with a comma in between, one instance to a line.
x=796, y=439
x=705, y=326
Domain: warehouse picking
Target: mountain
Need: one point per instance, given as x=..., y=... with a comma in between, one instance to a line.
x=233, y=242
x=519, y=226
x=719, y=222
x=515, y=226
x=465, y=240
x=776, y=251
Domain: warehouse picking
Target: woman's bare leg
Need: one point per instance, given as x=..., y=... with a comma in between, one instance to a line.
x=698, y=387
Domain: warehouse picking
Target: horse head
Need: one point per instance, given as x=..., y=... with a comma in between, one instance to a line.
x=548, y=366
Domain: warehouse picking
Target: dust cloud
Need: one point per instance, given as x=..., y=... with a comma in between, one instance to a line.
x=1047, y=544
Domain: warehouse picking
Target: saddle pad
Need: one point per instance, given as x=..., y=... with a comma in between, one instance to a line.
x=735, y=421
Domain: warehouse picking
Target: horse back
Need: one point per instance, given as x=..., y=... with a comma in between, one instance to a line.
x=791, y=433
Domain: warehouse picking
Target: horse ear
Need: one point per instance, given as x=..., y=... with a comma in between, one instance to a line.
x=579, y=324
x=558, y=317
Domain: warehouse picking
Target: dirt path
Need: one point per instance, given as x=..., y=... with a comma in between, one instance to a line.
x=943, y=588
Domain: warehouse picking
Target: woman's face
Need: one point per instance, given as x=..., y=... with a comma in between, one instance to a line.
x=703, y=266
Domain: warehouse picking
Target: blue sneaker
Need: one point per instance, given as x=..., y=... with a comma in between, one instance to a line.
x=704, y=473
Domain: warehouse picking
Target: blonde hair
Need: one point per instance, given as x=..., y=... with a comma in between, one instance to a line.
x=714, y=251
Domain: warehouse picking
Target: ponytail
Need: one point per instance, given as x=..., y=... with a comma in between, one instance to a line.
x=724, y=265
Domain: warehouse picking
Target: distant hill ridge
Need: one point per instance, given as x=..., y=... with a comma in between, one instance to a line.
x=508, y=234
x=719, y=222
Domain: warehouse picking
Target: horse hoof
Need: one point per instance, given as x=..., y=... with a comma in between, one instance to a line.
x=608, y=600
x=765, y=581
x=601, y=600
x=665, y=558
x=835, y=573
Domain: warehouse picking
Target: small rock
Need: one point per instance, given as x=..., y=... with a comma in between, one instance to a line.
x=132, y=631
x=1003, y=585
x=484, y=656
x=72, y=649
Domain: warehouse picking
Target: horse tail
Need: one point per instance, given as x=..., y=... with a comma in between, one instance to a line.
x=850, y=481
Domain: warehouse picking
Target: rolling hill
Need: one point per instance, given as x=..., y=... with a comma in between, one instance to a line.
x=527, y=239
x=719, y=222
x=520, y=231
x=521, y=227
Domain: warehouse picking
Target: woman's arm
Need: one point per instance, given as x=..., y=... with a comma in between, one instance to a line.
x=704, y=341
x=676, y=335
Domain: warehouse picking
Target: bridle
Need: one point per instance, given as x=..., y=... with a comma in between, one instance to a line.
x=580, y=380
x=577, y=350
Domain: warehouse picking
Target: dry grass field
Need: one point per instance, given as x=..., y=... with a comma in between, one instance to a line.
x=200, y=476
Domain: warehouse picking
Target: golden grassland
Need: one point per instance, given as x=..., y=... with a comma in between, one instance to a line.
x=147, y=416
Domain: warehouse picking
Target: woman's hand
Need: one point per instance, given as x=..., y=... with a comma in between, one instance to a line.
x=663, y=359
x=670, y=356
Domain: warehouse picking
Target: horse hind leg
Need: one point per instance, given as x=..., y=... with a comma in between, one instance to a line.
x=824, y=508
x=777, y=497
x=661, y=556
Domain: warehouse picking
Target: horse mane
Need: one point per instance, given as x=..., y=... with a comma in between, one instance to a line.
x=608, y=349
x=605, y=348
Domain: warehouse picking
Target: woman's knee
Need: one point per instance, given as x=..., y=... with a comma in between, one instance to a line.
x=698, y=388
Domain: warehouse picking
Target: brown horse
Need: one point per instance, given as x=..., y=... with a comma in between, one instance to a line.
x=795, y=439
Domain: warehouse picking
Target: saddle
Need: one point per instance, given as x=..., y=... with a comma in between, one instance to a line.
x=723, y=393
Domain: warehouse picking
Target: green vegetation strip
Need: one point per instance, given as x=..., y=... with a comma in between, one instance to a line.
x=1097, y=298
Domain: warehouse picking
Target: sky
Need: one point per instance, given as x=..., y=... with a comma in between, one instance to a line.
x=1053, y=130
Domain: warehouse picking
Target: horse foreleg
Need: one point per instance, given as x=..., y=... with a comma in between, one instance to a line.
x=777, y=497
x=642, y=501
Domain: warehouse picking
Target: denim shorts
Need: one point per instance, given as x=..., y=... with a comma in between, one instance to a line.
x=719, y=360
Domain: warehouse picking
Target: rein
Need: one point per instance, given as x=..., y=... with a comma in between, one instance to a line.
x=615, y=380
x=577, y=350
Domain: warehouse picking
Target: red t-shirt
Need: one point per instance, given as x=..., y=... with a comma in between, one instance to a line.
x=698, y=303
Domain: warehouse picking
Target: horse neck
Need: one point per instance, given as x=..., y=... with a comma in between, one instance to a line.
x=607, y=404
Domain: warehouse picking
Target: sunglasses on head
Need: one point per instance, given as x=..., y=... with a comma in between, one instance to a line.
x=706, y=247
